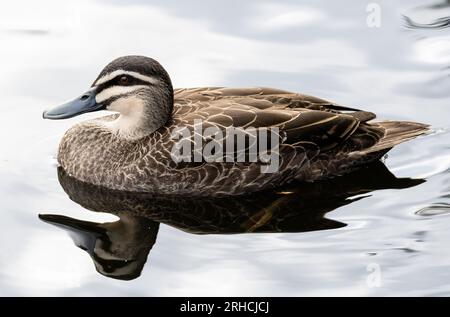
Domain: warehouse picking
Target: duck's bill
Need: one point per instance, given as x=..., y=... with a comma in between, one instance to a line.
x=83, y=104
x=83, y=233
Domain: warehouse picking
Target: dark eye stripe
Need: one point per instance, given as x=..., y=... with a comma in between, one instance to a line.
x=132, y=81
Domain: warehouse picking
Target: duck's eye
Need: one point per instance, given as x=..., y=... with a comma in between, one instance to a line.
x=124, y=80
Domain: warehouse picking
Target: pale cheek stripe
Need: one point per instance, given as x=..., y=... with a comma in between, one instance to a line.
x=119, y=72
x=116, y=91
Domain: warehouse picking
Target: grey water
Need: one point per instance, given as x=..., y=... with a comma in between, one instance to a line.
x=381, y=231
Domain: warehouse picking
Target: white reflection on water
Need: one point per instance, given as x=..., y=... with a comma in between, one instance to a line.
x=321, y=47
x=275, y=17
x=434, y=50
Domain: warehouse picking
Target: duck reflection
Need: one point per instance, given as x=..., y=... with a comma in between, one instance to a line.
x=120, y=249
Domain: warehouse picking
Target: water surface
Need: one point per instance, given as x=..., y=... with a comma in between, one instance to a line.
x=322, y=240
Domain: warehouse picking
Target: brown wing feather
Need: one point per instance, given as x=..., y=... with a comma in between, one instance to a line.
x=260, y=97
x=301, y=118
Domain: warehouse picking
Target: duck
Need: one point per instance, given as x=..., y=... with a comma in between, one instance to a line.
x=168, y=141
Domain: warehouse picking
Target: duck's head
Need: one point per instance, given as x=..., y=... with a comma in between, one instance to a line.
x=118, y=249
x=137, y=87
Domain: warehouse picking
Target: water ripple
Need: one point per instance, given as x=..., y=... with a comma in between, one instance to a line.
x=440, y=23
x=434, y=210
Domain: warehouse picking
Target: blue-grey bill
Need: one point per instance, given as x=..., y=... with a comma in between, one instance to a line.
x=83, y=104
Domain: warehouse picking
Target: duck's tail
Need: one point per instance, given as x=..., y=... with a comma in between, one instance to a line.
x=396, y=132
x=371, y=149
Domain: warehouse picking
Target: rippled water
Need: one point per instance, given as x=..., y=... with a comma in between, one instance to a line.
x=381, y=235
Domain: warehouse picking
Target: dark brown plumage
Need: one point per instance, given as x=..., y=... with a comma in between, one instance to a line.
x=318, y=139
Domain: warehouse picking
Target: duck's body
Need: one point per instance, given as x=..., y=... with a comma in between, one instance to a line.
x=317, y=139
